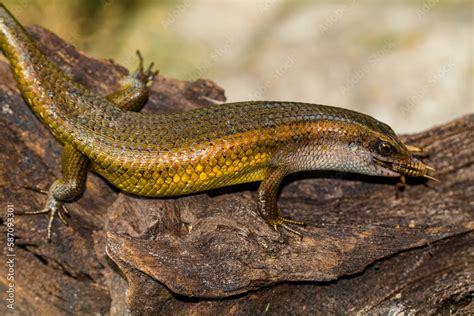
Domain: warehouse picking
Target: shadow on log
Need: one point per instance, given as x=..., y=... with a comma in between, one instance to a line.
x=364, y=250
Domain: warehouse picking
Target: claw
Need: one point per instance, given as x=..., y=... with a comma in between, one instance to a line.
x=416, y=149
x=430, y=168
x=283, y=222
x=50, y=223
x=288, y=228
x=42, y=211
x=287, y=219
x=140, y=61
x=431, y=178
x=66, y=211
x=150, y=67
x=36, y=189
x=62, y=219
x=213, y=101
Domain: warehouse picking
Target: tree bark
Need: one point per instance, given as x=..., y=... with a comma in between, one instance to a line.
x=365, y=249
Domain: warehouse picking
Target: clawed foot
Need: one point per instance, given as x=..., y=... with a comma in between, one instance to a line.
x=52, y=207
x=284, y=221
x=146, y=76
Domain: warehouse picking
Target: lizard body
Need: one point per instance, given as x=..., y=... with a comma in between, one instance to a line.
x=180, y=153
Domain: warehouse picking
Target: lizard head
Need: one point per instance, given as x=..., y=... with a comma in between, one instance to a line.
x=387, y=155
x=396, y=159
x=374, y=149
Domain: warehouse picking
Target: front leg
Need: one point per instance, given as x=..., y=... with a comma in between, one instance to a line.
x=69, y=187
x=267, y=200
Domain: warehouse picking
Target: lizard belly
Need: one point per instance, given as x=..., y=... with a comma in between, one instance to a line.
x=161, y=180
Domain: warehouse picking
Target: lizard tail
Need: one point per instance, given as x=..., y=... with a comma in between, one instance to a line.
x=15, y=42
x=31, y=68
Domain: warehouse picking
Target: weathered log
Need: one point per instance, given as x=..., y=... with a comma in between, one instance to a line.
x=365, y=249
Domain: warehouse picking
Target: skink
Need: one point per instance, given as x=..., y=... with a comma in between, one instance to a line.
x=180, y=153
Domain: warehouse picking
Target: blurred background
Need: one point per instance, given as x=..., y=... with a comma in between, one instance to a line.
x=408, y=63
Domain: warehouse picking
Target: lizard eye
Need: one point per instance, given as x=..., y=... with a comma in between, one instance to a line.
x=384, y=148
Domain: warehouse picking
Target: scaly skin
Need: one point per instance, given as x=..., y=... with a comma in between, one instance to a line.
x=181, y=153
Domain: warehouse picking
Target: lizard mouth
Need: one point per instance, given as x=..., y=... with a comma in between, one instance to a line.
x=411, y=167
x=384, y=168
